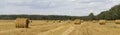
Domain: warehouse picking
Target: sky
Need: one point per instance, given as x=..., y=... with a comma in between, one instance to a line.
x=55, y=7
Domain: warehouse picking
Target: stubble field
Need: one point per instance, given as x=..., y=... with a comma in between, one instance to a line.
x=56, y=27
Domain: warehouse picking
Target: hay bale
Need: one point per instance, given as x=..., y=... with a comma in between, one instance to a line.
x=30, y=21
x=22, y=22
x=94, y=21
x=102, y=22
x=57, y=21
x=68, y=21
x=77, y=21
x=62, y=21
x=117, y=21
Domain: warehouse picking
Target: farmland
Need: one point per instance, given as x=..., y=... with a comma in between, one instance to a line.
x=57, y=27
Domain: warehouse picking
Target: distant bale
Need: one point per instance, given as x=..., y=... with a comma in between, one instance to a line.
x=61, y=21
x=94, y=21
x=67, y=21
x=77, y=21
x=117, y=21
x=30, y=21
x=22, y=22
x=57, y=21
x=102, y=22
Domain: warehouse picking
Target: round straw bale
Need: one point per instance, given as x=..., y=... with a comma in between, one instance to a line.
x=94, y=21
x=68, y=21
x=57, y=21
x=77, y=21
x=102, y=22
x=117, y=21
x=22, y=22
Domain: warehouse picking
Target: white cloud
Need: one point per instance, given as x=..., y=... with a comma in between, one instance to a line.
x=56, y=7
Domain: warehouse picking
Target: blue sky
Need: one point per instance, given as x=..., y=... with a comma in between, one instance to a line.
x=56, y=7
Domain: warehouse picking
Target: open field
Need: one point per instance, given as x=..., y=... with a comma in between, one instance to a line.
x=55, y=27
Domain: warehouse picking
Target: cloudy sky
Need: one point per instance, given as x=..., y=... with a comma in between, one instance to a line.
x=56, y=7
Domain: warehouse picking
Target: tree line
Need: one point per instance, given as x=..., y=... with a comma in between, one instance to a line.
x=38, y=17
x=111, y=14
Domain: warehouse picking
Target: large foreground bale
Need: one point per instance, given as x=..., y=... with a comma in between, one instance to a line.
x=77, y=21
x=117, y=21
x=22, y=22
x=102, y=22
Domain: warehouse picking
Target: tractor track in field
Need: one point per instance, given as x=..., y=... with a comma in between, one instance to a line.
x=56, y=31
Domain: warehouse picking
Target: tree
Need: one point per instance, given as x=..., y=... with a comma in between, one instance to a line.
x=91, y=16
x=111, y=14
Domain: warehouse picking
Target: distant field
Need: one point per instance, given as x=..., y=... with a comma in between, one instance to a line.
x=55, y=27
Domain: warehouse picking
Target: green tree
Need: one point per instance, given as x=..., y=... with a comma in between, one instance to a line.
x=91, y=16
x=111, y=14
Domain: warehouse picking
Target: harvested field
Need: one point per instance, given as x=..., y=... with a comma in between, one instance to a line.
x=55, y=27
